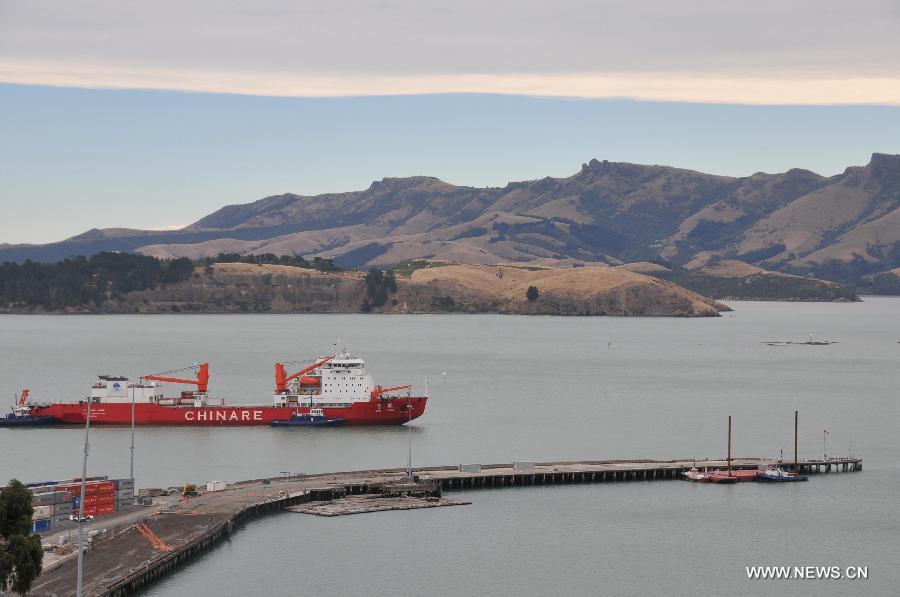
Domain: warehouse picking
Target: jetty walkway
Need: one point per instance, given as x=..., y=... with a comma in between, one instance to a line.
x=139, y=551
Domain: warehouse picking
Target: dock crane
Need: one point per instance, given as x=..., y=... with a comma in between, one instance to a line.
x=202, y=381
x=282, y=378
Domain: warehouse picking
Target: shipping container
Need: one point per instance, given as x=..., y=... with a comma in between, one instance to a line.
x=86, y=479
x=42, y=499
x=215, y=485
x=42, y=489
x=50, y=498
x=40, y=526
x=63, y=508
x=42, y=512
x=62, y=497
x=151, y=492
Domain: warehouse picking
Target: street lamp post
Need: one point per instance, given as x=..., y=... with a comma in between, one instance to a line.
x=131, y=468
x=408, y=436
x=79, y=583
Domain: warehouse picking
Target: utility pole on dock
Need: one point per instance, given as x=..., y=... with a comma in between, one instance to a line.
x=796, y=463
x=79, y=583
x=409, y=430
x=131, y=468
x=729, y=445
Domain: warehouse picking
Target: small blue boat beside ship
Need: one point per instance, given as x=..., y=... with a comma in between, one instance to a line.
x=315, y=418
x=21, y=415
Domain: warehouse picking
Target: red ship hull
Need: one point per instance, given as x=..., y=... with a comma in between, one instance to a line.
x=378, y=411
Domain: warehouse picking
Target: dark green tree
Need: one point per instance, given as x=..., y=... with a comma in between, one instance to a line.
x=532, y=293
x=20, y=551
x=379, y=285
x=324, y=265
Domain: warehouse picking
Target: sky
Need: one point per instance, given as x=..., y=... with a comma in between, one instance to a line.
x=118, y=113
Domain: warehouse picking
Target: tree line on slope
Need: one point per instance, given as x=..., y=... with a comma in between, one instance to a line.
x=80, y=281
x=85, y=281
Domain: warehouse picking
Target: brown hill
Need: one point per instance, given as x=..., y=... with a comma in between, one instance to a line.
x=576, y=291
x=238, y=287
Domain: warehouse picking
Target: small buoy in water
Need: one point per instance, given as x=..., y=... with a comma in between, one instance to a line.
x=444, y=376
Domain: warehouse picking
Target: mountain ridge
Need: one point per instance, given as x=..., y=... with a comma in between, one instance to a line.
x=840, y=227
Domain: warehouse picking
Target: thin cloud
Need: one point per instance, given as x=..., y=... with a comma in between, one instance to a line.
x=663, y=86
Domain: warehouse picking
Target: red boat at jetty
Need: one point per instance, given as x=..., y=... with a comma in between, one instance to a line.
x=338, y=386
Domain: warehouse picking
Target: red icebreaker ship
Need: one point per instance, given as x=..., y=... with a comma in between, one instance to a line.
x=338, y=386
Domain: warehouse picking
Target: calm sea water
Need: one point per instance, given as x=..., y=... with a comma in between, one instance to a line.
x=516, y=388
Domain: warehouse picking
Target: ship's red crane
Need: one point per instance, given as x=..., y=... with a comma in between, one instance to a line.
x=378, y=391
x=202, y=381
x=23, y=397
x=282, y=378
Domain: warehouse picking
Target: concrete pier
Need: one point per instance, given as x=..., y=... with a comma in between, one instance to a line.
x=126, y=561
